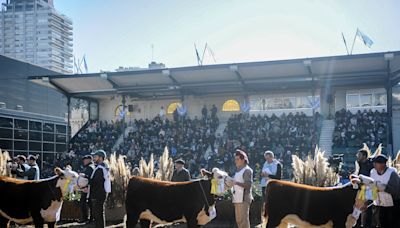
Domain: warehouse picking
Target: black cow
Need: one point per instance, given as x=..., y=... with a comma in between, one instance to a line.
x=308, y=206
x=23, y=201
x=163, y=202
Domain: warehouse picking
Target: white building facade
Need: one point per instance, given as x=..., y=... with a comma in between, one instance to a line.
x=33, y=31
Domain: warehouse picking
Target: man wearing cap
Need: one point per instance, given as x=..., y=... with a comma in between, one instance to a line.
x=180, y=173
x=272, y=169
x=388, y=183
x=242, y=196
x=88, y=168
x=33, y=173
x=99, y=188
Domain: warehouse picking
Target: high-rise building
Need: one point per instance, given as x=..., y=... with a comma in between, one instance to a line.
x=33, y=31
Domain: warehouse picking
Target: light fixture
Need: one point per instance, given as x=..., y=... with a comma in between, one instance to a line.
x=233, y=68
x=388, y=56
x=307, y=62
x=165, y=72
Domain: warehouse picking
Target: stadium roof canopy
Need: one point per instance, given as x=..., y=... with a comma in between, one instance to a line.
x=381, y=69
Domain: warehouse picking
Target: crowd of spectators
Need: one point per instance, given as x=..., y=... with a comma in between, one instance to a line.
x=285, y=135
x=352, y=130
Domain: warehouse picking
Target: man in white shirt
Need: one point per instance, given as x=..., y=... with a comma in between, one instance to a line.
x=272, y=169
x=388, y=183
x=242, y=195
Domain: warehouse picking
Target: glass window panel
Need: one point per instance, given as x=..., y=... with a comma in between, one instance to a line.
x=365, y=100
x=5, y=133
x=37, y=136
x=35, y=126
x=275, y=103
x=48, y=127
x=35, y=146
x=48, y=147
x=6, y=144
x=352, y=100
x=61, y=129
x=20, y=145
x=21, y=124
x=289, y=102
x=21, y=134
x=48, y=159
x=6, y=122
x=61, y=138
x=61, y=148
x=48, y=137
x=380, y=99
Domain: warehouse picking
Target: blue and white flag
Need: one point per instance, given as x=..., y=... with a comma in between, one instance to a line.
x=181, y=110
x=364, y=38
x=244, y=106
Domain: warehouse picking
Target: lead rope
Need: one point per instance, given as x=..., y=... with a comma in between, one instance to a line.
x=204, y=194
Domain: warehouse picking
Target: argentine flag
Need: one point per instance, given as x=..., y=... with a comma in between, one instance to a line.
x=364, y=38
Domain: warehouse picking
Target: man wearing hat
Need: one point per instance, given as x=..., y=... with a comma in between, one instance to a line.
x=20, y=167
x=88, y=168
x=180, y=173
x=242, y=195
x=99, y=188
x=388, y=183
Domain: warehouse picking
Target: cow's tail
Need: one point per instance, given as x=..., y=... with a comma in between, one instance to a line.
x=125, y=220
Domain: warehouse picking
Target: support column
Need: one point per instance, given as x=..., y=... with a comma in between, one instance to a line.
x=389, y=119
x=68, y=121
x=123, y=117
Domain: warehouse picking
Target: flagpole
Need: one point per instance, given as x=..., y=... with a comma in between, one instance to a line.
x=354, y=40
x=345, y=44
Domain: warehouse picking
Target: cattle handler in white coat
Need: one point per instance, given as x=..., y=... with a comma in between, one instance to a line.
x=242, y=195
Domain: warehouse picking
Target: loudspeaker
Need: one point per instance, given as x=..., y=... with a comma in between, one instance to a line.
x=130, y=108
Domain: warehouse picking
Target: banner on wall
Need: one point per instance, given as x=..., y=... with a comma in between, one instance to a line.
x=181, y=110
x=245, y=107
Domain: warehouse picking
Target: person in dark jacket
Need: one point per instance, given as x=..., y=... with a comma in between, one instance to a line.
x=20, y=168
x=88, y=168
x=33, y=173
x=180, y=173
x=99, y=188
x=365, y=166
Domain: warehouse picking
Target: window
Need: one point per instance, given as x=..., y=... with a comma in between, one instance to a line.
x=35, y=126
x=231, y=106
x=5, y=144
x=352, y=100
x=172, y=107
x=5, y=133
x=20, y=145
x=35, y=146
x=6, y=122
x=365, y=100
x=21, y=124
x=380, y=99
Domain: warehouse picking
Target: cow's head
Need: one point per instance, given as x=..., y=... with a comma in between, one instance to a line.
x=68, y=180
x=220, y=180
x=366, y=192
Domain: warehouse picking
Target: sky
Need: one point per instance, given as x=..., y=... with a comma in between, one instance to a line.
x=122, y=32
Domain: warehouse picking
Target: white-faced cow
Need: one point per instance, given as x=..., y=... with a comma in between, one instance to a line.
x=165, y=202
x=23, y=201
x=308, y=206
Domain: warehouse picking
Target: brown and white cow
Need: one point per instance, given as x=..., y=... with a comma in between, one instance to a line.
x=23, y=201
x=308, y=206
x=164, y=202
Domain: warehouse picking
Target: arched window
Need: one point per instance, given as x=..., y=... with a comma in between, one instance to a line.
x=231, y=106
x=171, y=107
x=118, y=111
